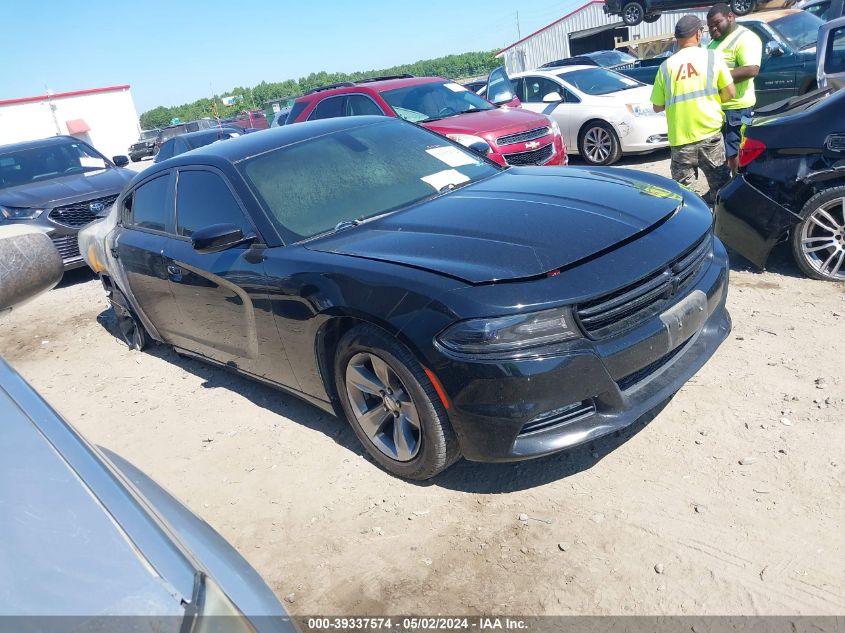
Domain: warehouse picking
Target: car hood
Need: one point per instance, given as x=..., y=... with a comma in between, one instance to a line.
x=46, y=193
x=519, y=224
x=483, y=121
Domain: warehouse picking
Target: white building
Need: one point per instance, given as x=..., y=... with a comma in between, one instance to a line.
x=103, y=117
x=585, y=30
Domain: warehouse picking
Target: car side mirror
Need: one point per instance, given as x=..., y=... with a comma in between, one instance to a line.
x=219, y=237
x=479, y=147
x=120, y=161
x=552, y=97
x=774, y=49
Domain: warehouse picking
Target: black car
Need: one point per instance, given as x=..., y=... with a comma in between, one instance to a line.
x=446, y=305
x=791, y=186
x=186, y=142
x=145, y=145
x=58, y=185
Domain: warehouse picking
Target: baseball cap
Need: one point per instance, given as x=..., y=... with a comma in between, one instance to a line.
x=687, y=26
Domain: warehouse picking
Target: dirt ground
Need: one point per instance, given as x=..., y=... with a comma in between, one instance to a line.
x=663, y=519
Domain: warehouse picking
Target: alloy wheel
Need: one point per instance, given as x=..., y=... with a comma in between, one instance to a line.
x=633, y=14
x=742, y=7
x=597, y=144
x=383, y=407
x=823, y=239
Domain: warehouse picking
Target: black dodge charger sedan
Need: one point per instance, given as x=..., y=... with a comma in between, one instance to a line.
x=448, y=307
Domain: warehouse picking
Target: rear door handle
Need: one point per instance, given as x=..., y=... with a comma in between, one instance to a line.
x=174, y=270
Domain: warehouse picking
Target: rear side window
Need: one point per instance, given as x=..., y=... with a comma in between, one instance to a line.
x=359, y=105
x=835, y=54
x=166, y=151
x=538, y=87
x=294, y=113
x=179, y=146
x=148, y=205
x=203, y=199
x=328, y=108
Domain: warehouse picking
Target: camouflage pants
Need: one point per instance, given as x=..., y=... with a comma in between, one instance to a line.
x=709, y=155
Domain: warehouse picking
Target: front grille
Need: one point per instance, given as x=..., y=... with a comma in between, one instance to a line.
x=79, y=214
x=640, y=375
x=534, y=157
x=559, y=417
x=523, y=137
x=67, y=245
x=631, y=305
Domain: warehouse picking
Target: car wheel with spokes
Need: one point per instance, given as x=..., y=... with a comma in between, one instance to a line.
x=392, y=405
x=742, y=7
x=818, y=241
x=633, y=13
x=598, y=144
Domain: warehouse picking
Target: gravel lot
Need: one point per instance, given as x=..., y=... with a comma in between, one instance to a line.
x=728, y=501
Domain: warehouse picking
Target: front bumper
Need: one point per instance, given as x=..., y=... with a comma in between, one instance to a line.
x=749, y=221
x=141, y=152
x=494, y=404
x=506, y=155
x=643, y=134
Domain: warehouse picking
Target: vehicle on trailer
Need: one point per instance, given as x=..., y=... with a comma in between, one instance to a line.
x=603, y=114
x=790, y=186
x=492, y=126
x=633, y=12
x=445, y=305
x=58, y=185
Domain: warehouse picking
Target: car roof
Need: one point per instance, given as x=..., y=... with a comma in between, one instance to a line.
x=206, y=132
x=376, y=86
x=556, y=71
x=768, y=16
x=42, y=142
x=257, y=143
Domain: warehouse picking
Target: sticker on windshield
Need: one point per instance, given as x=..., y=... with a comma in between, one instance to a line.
x=444, y=179
x=628, y=81
x=455, y=87
x=452, y=156
x=91, y=161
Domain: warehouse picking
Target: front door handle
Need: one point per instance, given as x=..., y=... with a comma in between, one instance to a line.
x=174, y=270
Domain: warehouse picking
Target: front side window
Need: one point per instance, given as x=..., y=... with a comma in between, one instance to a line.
x=359, y=105
x=599, y=81
x=148, y=205
x=834, y=60
x=328, y=109
x=433, y=101
x=203, y=199
x=538, y=87
x=310, y=187
x=51, y=161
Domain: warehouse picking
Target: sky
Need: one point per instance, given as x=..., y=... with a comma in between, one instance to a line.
x=174, y=52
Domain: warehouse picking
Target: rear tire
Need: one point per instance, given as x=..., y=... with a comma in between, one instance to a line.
x=818, y=240
x=392, y=405
x=633, y=13
x=598, y=144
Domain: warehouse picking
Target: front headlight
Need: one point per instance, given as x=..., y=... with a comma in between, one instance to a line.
x=20, y=213
x=471, y=141
x=555, y=127
x=510, y=333
x=642, y=109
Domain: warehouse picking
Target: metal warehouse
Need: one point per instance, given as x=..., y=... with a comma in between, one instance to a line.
x=584, y=30
x=104, y=117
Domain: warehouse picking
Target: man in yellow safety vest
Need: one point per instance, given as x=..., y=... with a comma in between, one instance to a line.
x=691, y=86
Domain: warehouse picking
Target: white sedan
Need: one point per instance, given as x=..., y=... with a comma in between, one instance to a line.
x=602, y=114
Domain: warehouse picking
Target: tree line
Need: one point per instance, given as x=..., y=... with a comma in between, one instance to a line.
x=451, y=66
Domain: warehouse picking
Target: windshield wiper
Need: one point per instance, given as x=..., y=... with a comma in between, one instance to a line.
x=346, y=224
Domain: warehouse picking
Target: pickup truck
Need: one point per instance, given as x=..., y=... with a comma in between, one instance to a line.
x=789, y=55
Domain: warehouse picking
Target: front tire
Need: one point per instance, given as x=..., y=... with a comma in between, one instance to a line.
x=598, y=144
x=743, y=7
x=633, y=13
x=392, y=405
x=818, y=240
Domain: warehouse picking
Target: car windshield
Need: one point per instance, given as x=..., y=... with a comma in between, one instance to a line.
x=800, y=30
x=599, y=81
x=341, y=178
x=434, y=100
x=25, y=166
x=147, y=135
x=612, y=58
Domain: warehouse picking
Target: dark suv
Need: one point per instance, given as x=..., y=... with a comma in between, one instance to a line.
x=58, y=184
x=497, y=129
x=182, y=128
x=145, y=146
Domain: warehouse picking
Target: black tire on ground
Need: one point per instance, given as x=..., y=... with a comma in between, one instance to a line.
x=818, y=240
x=742, y=7
x=436, y=446
x=598, y=144
x=651, y=18
x=632, y=13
